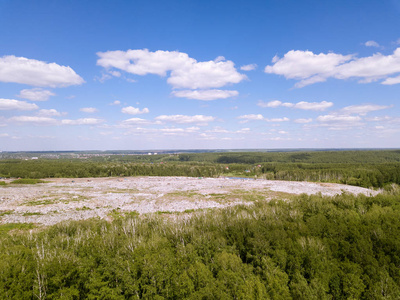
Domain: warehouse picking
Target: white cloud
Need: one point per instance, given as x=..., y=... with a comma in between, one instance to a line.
x=178, y=131
x=317, y=106
x=279, y=139
x=339, y=122
x=310, y=68
x=49, y=113
x=217, y=130
x=251, y=117
x=11, y=104
x=36, y=94
x=303, y=121
x=116, y=102
x=33, y=120
x=106, y=132
x=37, y=73
x=133, y=121
x=274, y=103
x=250, y=67
x=182, y=119
x=83, y=121
x=259, y=117
x=89, y=110
x=205, y=136
x=205, y=95
x=284, y=119
x=371, y=44
x=134, y=111
x=362, y=109
x=243, y=130
x=391, y=80
x=306, y=65
x=4, y=135
x=379, y=119
x=338, y=118
x=204, y=75
x=185, y=72
x=115, y=73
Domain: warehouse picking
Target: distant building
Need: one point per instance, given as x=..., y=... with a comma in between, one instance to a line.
x=35, y=157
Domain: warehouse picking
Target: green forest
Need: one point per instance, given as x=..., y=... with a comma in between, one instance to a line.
x=360, y=168
x=312, y=247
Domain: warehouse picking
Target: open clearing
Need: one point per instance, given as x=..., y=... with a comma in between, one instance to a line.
x=83, y=198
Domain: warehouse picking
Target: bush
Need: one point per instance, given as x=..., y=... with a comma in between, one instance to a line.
x=28, y=181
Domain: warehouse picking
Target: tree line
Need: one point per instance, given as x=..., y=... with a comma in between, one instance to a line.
x=365, y=174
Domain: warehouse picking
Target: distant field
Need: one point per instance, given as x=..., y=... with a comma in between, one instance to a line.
x=376, y=168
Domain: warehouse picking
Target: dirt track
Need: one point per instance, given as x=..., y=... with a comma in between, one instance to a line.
x=76, y=199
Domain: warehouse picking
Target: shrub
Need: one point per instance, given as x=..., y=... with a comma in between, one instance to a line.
x=28, y=181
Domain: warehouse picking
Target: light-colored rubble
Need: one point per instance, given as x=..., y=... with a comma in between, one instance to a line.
x=83, y=198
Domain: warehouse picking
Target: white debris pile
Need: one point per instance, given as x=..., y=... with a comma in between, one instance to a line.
x=82, y=198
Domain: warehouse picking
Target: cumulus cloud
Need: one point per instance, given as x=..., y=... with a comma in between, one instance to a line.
x=134, y=111
x=379, y=119
x=259, y=117
x=371, y=44
x=133, y=121
x=89, y=110
x=243, y=130
x=83, y=121
x=362, y=109
x=183, y=71
x=391, y=80
x=205, y=95
x=338, y=118
x=116, y=102
x=36, y=73
x=284, y=119
x=36, y=94
x=309, y=68
x=339, y=122
x=186, y=72
x=305, y=65
x=274, y=103
x=33, y=120
x=49, y=113
x=182, y=119
x=317, y=106
x=303, y=121
x=251, y=117
x=179, y=131
x=11, y=104
x=217, y=130
x=250, y=67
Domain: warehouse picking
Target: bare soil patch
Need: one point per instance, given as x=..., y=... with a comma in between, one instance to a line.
x=83, y=198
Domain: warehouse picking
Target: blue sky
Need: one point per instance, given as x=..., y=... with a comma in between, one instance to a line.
x=103, y=75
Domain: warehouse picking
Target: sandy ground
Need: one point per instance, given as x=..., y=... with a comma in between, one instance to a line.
x=77, y=199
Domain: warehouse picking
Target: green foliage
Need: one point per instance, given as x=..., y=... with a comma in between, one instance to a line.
x=27, y=181
x=4, y=228
x=32, y=214
x=3, y=183
x=311, y=247
x=5, y=212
